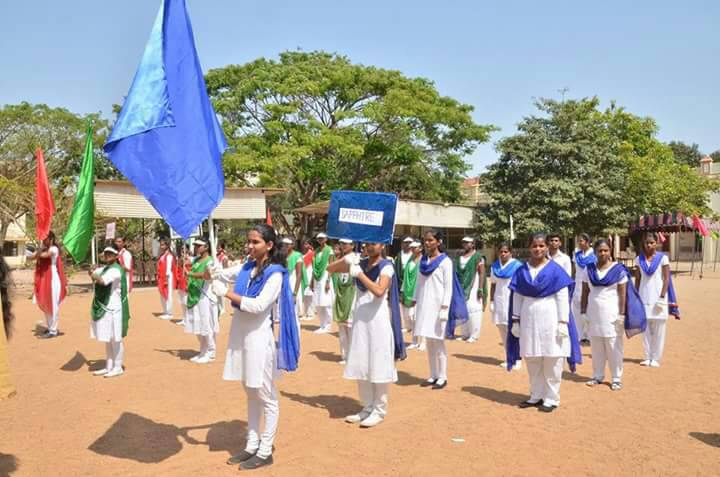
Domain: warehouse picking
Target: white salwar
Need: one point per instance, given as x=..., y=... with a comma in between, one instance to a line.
x=203, y=320
x=649, y=291
x=308, y=311
x=252, y=358
x=501, y=303
x=371, y=355
x=540, y=346
x=323, y=301
x=52, y=319
x=167, y=303
x=432, y=293
x=580, y=277
x=606, y=335
x=108, y=329
x=472, y=327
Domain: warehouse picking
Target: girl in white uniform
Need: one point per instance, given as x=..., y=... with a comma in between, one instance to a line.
x=583, y=257
x=501, y=273
x=373, y=349
x=252, y=356
x=49, y=283
x=202, y=320
x=604, y=306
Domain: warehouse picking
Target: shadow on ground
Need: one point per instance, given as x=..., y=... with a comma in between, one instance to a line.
x=336, y=406
x=711, y=439
x=501, y=397
x=79, y=360
x=479, y=359
x=8, y=464
x=138, y=438
x=182, y=354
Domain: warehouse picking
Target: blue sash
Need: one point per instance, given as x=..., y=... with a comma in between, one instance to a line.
x=635, y=318
x=583, y=261
x=457, y=313
x=289, y=339
x=649, y=269
x=506, y=272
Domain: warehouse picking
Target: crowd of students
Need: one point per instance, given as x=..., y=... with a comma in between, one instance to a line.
x=542, y=313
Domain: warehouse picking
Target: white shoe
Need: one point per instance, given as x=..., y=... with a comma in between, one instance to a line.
x=372, y=420
x=114, y=373
x=100, y=372
x=413, y=346
x=645, y=363
x=503, y=365
x=211, y=356
x=203, y=360
x=421, y=348
x=356, y=418
x=518, y=365
x=166, y=317
x=195, y=358
x=471, y=340
x=342, y=361
x=180, y=323
x=654, y=364
x=322, y=331
x=460, y=338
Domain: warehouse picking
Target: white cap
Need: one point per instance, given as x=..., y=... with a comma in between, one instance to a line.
x=468, y=239
x=415, y=244
x=288, y=241
x=321, y=235
x=347, y=241
x=110, y=250
x=197, y=241
x=408, y=239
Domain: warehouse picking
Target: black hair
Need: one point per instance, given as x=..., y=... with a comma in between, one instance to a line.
x=648, y=235
x=602, y=241
x=505, y=245
x=585, y=237
x=550, y=236
x=164, y=240
x=278, y=254
x=437, y=235
x=540, y=236
x=7, y=315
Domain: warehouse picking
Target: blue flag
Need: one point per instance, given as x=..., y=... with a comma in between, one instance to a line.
x=362, y=216
x=167, y=140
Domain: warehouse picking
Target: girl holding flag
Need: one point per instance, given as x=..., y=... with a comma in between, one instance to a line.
x=252, y=356
x=657, y=293
x=50, y=283
x=501, y=272
x=376, y=340
x=543, y=329
x=440, y=305
x=165, y=278
x=202, y=319
x=583, y=257
x=606, y=296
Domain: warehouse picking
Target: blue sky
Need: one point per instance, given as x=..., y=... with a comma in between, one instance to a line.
x=656, y=58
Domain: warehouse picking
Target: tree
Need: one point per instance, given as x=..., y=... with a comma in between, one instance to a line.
x=315, y=122
x=689, y=155
x=715, y=156
x=61, y=135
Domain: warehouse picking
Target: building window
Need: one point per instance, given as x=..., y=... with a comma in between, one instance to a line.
x=10, y=249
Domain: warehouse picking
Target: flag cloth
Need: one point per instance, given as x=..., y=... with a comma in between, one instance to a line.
x=82, y=220
x=362, y=216
x=167, y=140
x=44, y=205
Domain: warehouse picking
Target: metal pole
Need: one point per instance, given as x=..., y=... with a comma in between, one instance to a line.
x=142, y=261
x=211, y=235
x=93, y=252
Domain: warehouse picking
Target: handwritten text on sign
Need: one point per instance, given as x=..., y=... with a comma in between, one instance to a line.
x=361, y=217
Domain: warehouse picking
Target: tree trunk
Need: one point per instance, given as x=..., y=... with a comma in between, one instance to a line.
x=4, y=226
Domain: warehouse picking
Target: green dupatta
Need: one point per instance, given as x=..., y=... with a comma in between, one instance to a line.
x=292, y=261
x=102, y=298
x=410, y=272
x=467, y=273
x=195, y=285
x=320, y=262
x=344, y=296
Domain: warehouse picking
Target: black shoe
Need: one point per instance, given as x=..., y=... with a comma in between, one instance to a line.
x=527, y=404
x=256, y=462
x=241, y=457
x=440, y=386
x=425, y=384
x=545, y=408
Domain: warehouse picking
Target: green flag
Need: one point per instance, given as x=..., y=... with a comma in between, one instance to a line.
x=81, y=227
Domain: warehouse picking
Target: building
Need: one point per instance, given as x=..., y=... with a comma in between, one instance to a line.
x=15, y=241
x=472, y=193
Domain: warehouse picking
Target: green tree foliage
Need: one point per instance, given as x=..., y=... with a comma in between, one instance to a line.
x=689, y=155
x=61, y=135
x=315, y=122
x=574, y=168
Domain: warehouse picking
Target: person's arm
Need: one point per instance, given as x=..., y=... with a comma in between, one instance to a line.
x=169, y=266
x=584, y=297
x=491, y=298
x=447, y=271
x=378, y=289
x=517, y=306
x=563, y=305
x=666, y=281
x=622, y=297
x=338, y=266
x=637, y=272
x=261, y=303
x=481, y=274
x=298, y=277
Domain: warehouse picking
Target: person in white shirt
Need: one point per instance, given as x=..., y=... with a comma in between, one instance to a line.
x=501, y=273
x=399, y=262
x=557, y=255
x=125, y=259
x=166, y=279
x=582, y=257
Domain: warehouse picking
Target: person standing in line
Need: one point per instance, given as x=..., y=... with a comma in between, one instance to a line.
x=307, y=298
x=407, y=294
x=543, y=328
x=501, y=272
x=321, y=284
x=110, y=312
x=296, y=273
x=377, y=339
x=654, y=284
x=50, y=284
x=166, y=278
x=344, y=288
x=399, y=262
x=440, y=304
x=7, y=388
x=253, y=357
x=125, y=259
x=470, y=268
x=181, y=280
x=556, y=254
x=583, y=257
x=202, y=319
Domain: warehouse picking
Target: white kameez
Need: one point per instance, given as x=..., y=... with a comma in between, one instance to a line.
x=167, y=303
x=371, y=355
x=431, y=293
x=322, y=298
x=109, y=327
x=650, y=290
x=56, y=289
x=563, y=260
x=128, y=261
x=202, y=319
x=501, y=299
x=251, y=353
x=580, y=278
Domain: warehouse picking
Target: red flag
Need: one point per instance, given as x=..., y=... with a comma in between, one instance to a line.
x=44, y=205
x=268, y=217
x=699, y=226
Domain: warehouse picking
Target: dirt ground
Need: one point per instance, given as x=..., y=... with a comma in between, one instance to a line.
x=168, y=416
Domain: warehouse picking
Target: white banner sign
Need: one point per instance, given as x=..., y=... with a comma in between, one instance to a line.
x=361, y=217
x=110, y=231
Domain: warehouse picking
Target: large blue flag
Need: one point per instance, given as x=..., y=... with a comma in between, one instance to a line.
x=167, y=140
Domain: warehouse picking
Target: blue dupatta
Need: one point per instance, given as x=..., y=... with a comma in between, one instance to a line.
x=635, y=318
x=649, y=269
x=289, y=338
x=551, y=279
x=506, y=272
x=457, y=313
x=582, y=260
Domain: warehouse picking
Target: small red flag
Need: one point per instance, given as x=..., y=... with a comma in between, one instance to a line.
x=44, y=205
x=268, y=217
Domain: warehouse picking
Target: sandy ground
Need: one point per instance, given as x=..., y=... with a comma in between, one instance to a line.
x=168, y=416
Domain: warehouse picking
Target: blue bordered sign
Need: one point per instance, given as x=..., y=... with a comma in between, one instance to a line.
x=362, y=216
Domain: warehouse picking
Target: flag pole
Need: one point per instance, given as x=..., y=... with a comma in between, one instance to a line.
x=211, y=235
x=93, y=252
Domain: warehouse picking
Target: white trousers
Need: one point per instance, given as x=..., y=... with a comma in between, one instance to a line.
x=408, y=317
x=115, y=354
x=580, y=325
x=471, y=328
x=167, y=304
x=308, y=309
x=503, y=329
x=325, y=315
x=207, y=344
x=610, y=351
x=52, y=320
x=545, y=374
x=262, y=403
x=654, y=339
x=437, y=358
x=374, y=397
x=344, y=332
